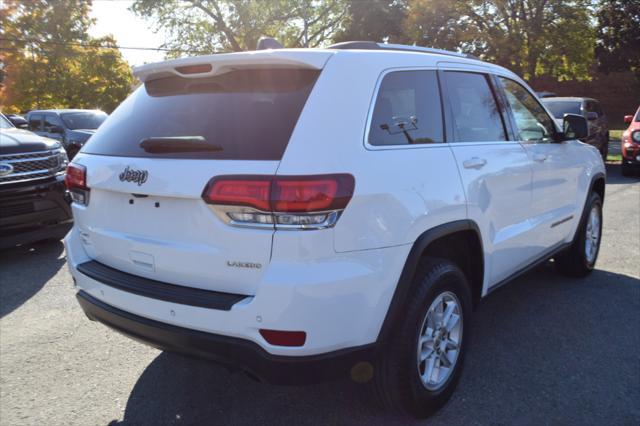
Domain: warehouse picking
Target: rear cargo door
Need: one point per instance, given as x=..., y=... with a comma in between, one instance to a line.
x=148, y=164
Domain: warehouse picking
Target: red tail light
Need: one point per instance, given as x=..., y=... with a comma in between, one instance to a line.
x=76, y=176
x=240, y=192
x=307, y=202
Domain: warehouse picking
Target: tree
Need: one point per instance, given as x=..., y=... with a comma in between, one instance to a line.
x=51, y=62
x=208, y=26
x=618, y=34
x=373, y=20
x=532, y=37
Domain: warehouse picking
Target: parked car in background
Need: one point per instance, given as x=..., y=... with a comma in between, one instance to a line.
x=231, y=209
x=630, y=144
x=34, y=203
x=72, y=127
x=546, y=95
x=591, y=110
x=17, y=120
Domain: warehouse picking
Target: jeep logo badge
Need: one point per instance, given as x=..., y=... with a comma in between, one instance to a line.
x=5, y=169
x=132, y=175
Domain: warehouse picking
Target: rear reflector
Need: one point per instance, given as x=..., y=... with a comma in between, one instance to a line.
x=284, y=338
x=289, y=202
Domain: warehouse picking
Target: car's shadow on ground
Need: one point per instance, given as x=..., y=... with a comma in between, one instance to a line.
x=30, y=267
x=614, y=175
x=534, y=342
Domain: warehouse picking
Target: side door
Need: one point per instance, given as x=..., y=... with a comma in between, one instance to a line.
x=53, y=127
x=35, y=124
x=556, y=167
x=495, y=171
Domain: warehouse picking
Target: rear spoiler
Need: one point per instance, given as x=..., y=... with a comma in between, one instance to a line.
x=206, y=66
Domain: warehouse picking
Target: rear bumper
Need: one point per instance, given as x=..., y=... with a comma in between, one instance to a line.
x=34, y=211
x=236, y=352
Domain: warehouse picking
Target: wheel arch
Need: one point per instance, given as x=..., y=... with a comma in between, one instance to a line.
x=441, y=241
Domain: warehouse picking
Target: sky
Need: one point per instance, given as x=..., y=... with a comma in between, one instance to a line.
x=113, y=17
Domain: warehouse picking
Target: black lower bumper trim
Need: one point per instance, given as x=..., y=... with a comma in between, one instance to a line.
x=240, y=353
x=159, y=290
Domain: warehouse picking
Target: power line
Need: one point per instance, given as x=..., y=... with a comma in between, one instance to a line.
x=98, y=46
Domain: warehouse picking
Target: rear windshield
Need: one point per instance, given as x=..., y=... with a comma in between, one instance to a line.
x=238, y=115
x=83, y=120
x=560, y=108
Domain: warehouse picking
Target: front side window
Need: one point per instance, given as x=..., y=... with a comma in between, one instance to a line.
x=407, y=110
x=475, y=112
x=51, y=120
x=560, y=108
x=532, y=121
x=35, y=121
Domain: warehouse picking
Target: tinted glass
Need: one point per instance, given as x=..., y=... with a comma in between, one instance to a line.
x=35, y=121
x=243, y=115
x=476, y=117
x=5, y=123
x=560, y=108
x=533, y=123
x=51, y=120
x=407, y=110
x=83, y=120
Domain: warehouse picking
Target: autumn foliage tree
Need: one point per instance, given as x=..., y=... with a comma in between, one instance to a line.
x=50, y=61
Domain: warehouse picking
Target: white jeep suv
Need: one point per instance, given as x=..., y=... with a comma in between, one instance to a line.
x=310, y=213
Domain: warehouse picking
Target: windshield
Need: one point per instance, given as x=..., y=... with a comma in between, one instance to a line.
x=83, y=120
x=5, y=123
x=238, y=115
x=560, y=108
x=637, y=116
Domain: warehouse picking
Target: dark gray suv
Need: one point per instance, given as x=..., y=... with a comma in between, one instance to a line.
x=72, y=127
x=591, y=110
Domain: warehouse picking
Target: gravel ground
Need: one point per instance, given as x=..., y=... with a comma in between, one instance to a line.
x=545, y=350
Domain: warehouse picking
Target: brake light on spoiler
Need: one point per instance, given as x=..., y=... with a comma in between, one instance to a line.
x=283, y=202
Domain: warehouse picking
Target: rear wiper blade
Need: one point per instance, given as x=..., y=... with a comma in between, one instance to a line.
x=173, y=144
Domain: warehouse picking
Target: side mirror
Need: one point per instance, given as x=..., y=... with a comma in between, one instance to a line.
x=575, y=126
x=591, y=115
x=628, y=119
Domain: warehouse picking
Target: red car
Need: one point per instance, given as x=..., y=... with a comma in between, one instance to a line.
x=630, y=144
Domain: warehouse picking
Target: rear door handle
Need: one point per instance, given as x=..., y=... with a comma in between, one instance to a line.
x=474, y=163
x=539, y=157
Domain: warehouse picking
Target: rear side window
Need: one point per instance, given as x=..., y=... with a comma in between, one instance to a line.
x=35, y=122
x=474, y=109
x=237, y=115
x=407, y=110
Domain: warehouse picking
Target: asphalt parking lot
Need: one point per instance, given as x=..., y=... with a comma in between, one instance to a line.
x=545, y=350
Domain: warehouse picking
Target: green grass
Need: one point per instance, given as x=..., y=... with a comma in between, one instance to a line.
x=614, y=158
x=615, y=134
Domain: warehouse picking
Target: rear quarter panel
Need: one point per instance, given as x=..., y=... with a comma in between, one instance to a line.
x=399, y=193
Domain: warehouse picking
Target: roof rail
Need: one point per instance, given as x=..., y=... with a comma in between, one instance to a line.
x=372, y=45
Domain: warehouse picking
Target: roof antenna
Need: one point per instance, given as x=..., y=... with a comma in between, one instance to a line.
x=268, y=43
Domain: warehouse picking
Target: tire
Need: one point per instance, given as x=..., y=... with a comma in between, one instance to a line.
x=397, y=375
x=578, y=261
